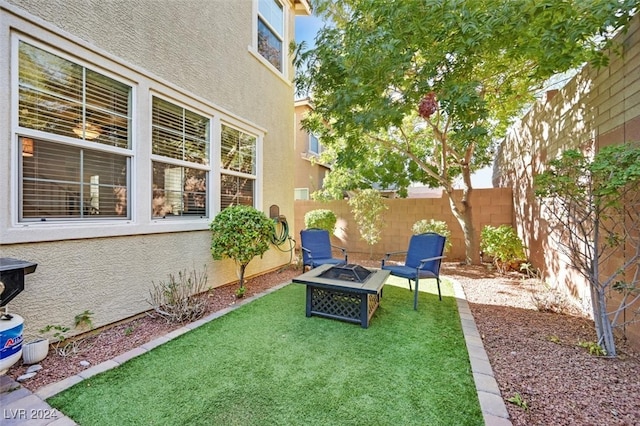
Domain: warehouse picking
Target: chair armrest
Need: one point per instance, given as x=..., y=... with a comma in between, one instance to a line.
x=344, y=252
x=392, y=253
x=387, y=255
x=429, y=259
x=307, y=251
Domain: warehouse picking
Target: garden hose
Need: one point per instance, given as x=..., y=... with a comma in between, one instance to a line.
x=279, y=238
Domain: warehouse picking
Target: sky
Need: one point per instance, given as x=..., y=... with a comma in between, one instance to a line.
x=306, y=29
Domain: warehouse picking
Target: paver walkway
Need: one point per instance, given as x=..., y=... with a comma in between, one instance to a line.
x=22, y=407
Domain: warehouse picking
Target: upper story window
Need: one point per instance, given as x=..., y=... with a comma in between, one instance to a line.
x=180, y=150
x=314, y=144
x=271, y=32
x=73, y=138
x=238, y=167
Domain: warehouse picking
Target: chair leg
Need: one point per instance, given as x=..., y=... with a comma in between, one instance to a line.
x=415, y=296
x=439, y=294
x=409, y=279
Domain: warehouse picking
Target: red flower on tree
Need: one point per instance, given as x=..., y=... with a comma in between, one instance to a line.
x=428, y=105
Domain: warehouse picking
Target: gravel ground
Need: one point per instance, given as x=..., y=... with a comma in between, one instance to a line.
x=534, y=354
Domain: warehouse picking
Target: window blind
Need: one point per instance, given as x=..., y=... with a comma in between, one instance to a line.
x=179, y=133
x=63, y=98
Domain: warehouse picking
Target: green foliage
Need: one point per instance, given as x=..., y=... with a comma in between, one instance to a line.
x=519, y=401
x=368, y=209
x=593, y=348
x=482, y=60
x=240, y=233
x=321, y=219
x=84, y=319
x=554, y=339
x=503, y=244
x=59, y=332
x=431, y=225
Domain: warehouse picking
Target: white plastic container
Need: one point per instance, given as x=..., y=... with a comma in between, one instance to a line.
x=11, y=328
x=35, y=351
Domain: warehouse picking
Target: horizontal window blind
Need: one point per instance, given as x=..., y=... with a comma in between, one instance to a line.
x=238, y=151
x=179, y=133
x=63, y=98
x=62, y=181
x=236, y=190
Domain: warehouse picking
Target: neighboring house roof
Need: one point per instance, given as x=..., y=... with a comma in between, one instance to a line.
x=302, y=7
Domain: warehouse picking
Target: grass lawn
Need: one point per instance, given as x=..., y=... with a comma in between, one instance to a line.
x=267, y=364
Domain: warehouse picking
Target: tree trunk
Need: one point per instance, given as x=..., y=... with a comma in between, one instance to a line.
x=241, y=275
x=604, y=329
x=463, y=213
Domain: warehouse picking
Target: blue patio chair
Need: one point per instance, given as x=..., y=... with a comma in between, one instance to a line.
x=316, y=249
x=422, y=261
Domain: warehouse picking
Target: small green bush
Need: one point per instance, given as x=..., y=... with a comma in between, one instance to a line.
x=321, y=219
x=240, y=233
x=437, y=226
x=503, y=244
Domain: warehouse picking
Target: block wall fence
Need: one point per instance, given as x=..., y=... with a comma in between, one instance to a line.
x=493, y=206
x=597, y=107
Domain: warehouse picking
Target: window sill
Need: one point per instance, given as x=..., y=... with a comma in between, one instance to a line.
x=60, y=231
x=269, y=66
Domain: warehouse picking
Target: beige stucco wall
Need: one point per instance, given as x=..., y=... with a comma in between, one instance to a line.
x=493, y=206
x=199, y=49
x=598, y=105
x=111, y=277
x=308, y=173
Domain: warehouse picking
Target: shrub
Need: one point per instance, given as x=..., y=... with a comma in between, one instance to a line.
x=437, y=226
x=321, y=219
x=240, y=233
x=177, y=300
x=503, y=244
x=368, y=209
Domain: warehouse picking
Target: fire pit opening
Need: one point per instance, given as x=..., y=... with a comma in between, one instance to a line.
x=348, y=272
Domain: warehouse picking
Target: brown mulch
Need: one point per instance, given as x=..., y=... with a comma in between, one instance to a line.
x=534, y=354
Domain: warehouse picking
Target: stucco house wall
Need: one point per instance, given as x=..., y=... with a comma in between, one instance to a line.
x=198, y=53
x=309, y=174
x=598, y=106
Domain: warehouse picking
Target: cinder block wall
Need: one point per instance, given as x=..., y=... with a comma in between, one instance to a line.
x=599, y=106
x=493, y=206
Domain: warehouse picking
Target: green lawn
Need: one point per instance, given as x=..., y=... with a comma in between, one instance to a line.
x=267, y=364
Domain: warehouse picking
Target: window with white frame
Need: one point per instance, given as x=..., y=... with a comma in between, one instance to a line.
x=180, y=153
x=271, y=32
x=74, y=127
x=238, y=167
x=314, y=144
x=301, y=194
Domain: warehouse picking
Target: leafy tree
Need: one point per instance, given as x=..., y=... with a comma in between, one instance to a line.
x=593, y=206
x=321, y=219
x=418, y=90
x=368, y=209
x=240, y=233
x=503, y=244
x=432, y=225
